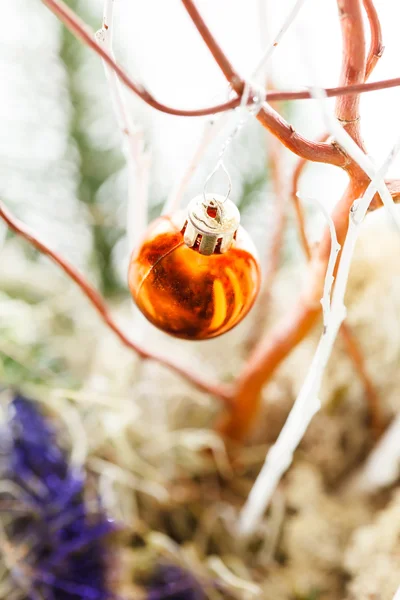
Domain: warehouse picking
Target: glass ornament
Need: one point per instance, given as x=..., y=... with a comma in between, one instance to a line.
x=196, y=274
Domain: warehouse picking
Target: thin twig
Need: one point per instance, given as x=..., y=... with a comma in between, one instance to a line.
x=334, y=251
x=138, y=160
x=376, y=47
x=85, y=34
x=212, y=129
x=298, y=208
x=269, y=118
x=277, y=237
x=218, y=390
x=373, y=401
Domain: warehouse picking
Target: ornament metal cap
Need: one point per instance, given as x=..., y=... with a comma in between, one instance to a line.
x=212, y=222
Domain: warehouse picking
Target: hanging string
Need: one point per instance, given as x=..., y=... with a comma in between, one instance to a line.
x=255, y=107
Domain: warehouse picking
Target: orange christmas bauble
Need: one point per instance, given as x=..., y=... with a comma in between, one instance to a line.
x=196, y=275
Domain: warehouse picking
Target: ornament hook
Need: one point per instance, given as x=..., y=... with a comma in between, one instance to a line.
x=219, y=165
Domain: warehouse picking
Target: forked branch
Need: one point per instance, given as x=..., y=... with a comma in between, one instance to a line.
x=85, y=34
x=269, y=118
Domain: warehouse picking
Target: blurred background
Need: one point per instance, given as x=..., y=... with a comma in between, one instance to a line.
x=62, y=172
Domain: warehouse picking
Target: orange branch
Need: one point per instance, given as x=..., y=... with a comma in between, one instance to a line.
x=267, y=116
x=376, y=47
x=373, y=401
x=287, y=333
x=274, y=250
x=80, y=30
x=353, y=65
x=220, y=391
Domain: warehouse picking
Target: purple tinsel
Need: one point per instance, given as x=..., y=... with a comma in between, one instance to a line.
x=170, y=582
x=66, y=558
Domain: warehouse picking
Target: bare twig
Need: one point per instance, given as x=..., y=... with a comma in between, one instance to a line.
x=269, y=118
x=355, y=353
x=277, y=38
x=218, y=390
x=211, y=128
x=137, y=158
x=353, y=66
x=298, y=208
x=85, y=34
x=376, y=47
x=334, y=251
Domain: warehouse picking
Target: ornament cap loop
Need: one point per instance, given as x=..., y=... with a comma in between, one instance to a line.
x=212, y=223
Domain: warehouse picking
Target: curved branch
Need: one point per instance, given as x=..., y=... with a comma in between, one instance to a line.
x=219, y=390
x=287, y=333
x=85, y=34
x=376, y=48
x=80, y=30
x=267, y=116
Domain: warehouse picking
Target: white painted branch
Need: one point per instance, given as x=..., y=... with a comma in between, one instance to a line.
x=137, y=158
x=307, y=403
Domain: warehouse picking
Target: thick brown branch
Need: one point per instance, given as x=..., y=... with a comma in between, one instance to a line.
x=219, y=56
x=275, y=169
x=218, y=390
x=353, y=65
x=298, y=208
x=346, y=90
x=376, y=46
